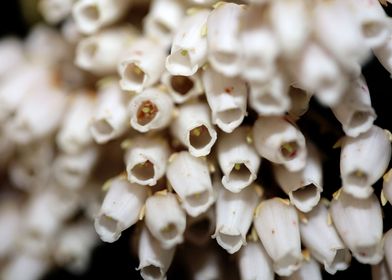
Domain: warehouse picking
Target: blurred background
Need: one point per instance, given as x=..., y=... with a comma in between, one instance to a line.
x=115, y=261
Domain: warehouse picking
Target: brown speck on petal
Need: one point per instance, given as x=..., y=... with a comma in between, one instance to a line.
x=229, y=90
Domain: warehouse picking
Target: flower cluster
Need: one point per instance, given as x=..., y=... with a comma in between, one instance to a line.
x=175, y=115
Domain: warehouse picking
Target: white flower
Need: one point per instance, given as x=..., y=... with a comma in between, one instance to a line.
x=167, y=226
x=350, y=216
x=189, y=176
x=223, y=27
x=234, y=214
x=304, y=186
x=276, y=223
x=142, y=65
x=91, y=15
x=146, y=160
x=74, y=135
x=151, y=110
x=310, y=269
x=189, y=48
x=110, y=119
x=182, y=88
x=237, y=159
x=251, y=254
x=281, y=142
x=163, y=19
x=101, y=52
x=354, y=111
x=363, y=160
x=227, y=99
x=154, y=259
x=120, y=208
x=291, y=24
x=192, y=126
x=320, y=237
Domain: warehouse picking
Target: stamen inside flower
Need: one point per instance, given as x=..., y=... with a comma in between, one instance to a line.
x=196, y=131
x=181, y=84
x=240, y=174
x=146, y=112
x=180, y=62
x=199, y=137
x=289, y=150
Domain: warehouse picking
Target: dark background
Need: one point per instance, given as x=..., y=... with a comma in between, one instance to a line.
x=114, y=261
